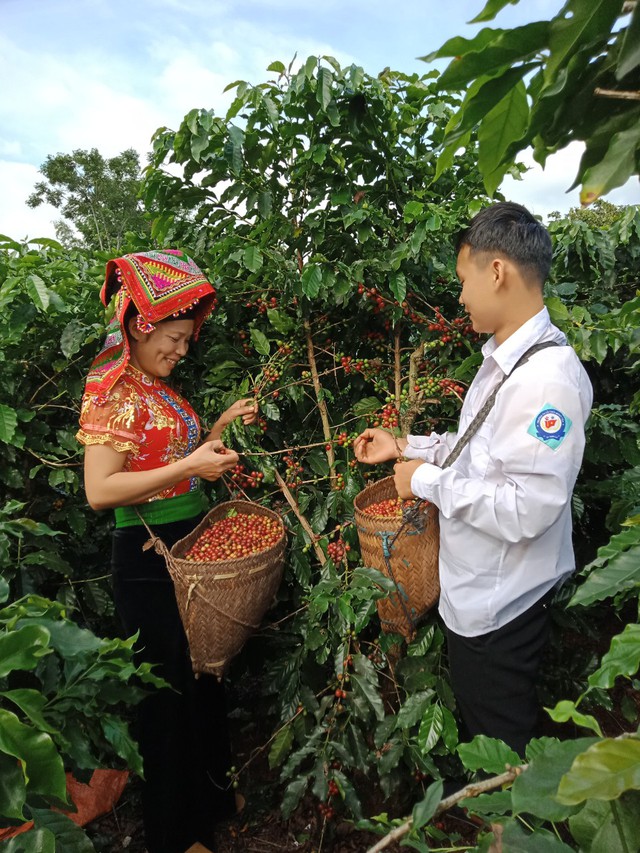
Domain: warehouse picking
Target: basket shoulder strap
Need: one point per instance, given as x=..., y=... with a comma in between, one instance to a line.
x=154, y=542
x=484, y=410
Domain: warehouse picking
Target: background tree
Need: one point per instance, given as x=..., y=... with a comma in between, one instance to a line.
x=98, y=197
x=546, y=84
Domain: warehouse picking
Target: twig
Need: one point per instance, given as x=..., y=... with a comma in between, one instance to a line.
x=617, y=93
x=49, y=379
x=397, y=364
x=287, y=617
x=471, y=790
x=409, y=416
x=322, y=405
x=286, y=449
x=286, y=491
x=55, y=464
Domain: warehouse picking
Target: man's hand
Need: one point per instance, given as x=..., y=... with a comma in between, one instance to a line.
x=402, y=473
x=377, y=445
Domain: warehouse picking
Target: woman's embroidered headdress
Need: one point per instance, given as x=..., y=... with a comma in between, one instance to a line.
x=162, y=285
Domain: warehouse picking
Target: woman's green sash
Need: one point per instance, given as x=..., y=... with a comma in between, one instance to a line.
x=162, y=511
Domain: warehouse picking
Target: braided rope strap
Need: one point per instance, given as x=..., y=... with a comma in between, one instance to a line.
x=489, y=403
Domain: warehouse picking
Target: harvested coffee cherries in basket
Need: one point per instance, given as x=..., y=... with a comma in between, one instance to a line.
x=391, y=508
x=237, y=535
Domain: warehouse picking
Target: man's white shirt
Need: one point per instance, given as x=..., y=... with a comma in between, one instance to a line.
x=505, y=503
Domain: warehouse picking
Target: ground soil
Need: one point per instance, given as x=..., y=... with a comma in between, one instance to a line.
x=260, y=831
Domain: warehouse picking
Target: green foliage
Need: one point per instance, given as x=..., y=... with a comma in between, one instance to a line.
x=558, y=793
x=546, y=84
x=62, y=691
x=97, y=197
x=52, y=324
x=602, y=772
x=321, y=213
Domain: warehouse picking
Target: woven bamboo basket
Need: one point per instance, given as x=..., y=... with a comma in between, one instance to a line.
x=222, y=603
x=411, y=559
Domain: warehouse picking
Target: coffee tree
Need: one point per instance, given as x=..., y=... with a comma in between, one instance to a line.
x=318, y=211
x=319, y=204
x=313, y=203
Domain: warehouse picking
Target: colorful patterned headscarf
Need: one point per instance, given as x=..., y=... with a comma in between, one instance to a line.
x=162, y=285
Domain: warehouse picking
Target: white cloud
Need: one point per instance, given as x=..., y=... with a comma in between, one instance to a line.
x=546, y=190
x=16, y=219
x=10, y=148
x=108, y=73
x=186, y=83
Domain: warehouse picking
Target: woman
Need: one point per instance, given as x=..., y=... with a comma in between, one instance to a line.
x=144, y=458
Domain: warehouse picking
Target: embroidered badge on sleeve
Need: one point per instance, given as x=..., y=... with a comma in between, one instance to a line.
x=550, y=426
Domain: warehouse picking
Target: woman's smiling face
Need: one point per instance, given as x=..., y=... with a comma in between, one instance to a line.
x=157, y=353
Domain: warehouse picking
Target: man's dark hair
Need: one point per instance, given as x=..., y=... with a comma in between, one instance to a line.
x=509, y=229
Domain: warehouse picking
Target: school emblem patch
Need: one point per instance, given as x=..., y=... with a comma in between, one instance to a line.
x=550, y=426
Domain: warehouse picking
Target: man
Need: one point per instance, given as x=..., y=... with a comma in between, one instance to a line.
x=505, y=502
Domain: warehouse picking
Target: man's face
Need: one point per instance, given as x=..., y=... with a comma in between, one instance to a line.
x=478, y=295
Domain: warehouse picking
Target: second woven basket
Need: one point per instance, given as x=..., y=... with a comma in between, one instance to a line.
x=221, y=603
x=405, y=552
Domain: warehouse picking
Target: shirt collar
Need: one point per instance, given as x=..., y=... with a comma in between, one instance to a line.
x=536, y=329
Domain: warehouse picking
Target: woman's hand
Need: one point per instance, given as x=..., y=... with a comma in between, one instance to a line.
x=211, y=460
x=377, y=445
x=245, y=409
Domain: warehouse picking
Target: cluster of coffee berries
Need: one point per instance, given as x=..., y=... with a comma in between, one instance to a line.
x=262, y=425
x=232, y=774
x=376, y=655
x=345, y=363
x=368, y=367
x=338, y=482
x=270, y=374
x=235, y=536
x=244, y=339
x=293, y=475
x=337, y=549
x=326, y=810
x=345, y=438
x=377, y=340
x=451, y=333
x=262, y=304
x=389, y=417
x=451, y=388
x=427, y=385
x=379, y=302
x=245, y=479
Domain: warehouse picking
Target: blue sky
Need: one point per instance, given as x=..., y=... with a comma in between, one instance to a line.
x=108, y=73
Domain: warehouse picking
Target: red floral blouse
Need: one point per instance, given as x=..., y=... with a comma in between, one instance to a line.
x=145, y=419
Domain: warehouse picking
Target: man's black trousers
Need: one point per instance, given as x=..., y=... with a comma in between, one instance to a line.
x=494, y=677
